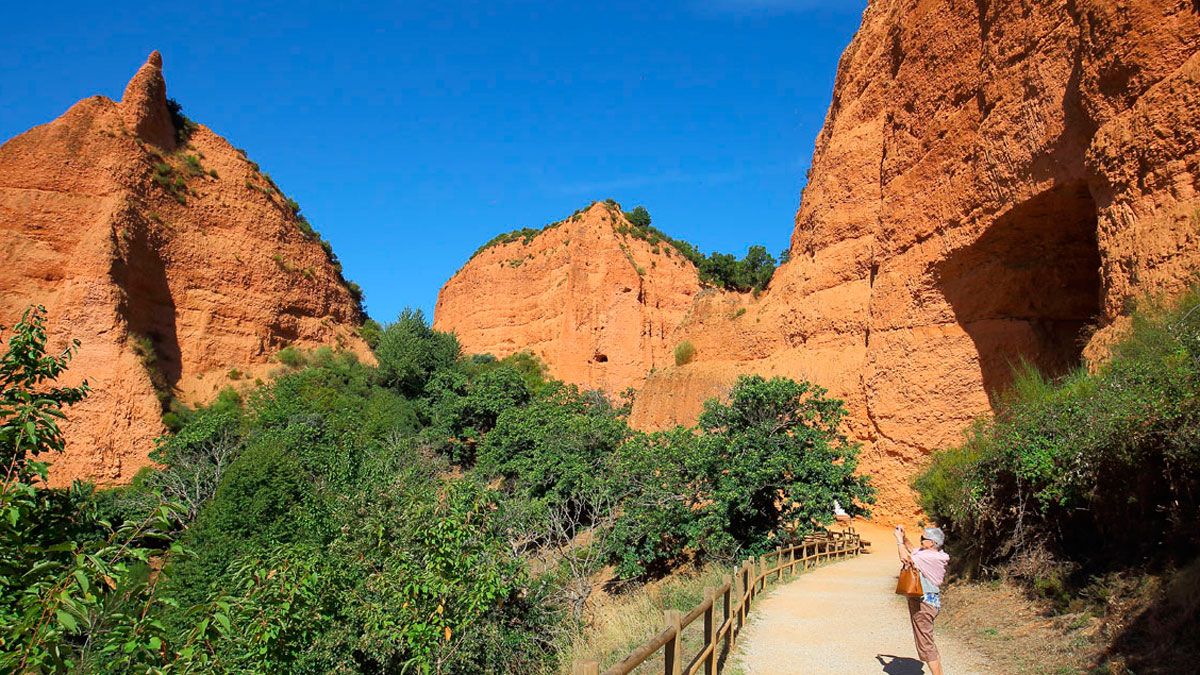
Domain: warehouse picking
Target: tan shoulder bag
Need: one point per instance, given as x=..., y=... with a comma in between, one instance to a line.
x=909, y=583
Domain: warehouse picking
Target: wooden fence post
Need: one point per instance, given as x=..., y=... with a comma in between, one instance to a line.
x=585, y=668
x=710, y=631
x=729, y=617
x=735, y=592
x=752, y=578
x=673, y=650
x=750, y=582
x=779, y=563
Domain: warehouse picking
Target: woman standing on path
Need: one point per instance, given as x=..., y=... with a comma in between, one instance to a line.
x=930, y=561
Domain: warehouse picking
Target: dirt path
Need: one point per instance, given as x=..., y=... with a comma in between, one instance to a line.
x=844, y=618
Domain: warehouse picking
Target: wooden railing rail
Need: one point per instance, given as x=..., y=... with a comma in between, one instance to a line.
x=725, y=608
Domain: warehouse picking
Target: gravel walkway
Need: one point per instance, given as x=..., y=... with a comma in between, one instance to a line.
x=844, y=618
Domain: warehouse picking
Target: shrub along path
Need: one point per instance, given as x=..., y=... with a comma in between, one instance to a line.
x=845, y=618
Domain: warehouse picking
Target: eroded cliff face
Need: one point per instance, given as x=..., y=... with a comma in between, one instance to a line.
x=994, y=181
x=596, y=304
x=104, y=222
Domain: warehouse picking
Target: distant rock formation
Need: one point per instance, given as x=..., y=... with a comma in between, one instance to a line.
x=994, y=182
x=174, y=266
x=598, y=305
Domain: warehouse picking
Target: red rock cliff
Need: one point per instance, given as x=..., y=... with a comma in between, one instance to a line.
x=597, y=305
x=994, y=181
x=103, y=221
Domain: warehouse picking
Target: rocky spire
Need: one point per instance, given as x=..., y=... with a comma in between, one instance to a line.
x=144, y=105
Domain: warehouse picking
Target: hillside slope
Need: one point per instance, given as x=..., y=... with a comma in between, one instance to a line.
x=170, y=271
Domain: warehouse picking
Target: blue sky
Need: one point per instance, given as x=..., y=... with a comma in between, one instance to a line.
x=412, y=132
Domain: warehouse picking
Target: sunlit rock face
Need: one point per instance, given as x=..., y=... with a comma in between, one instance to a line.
x=598, y=305
x=994, y=182
x=188, y=282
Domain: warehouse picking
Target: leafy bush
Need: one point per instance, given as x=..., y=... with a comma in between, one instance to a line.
x=147, y=355
x=684, y=353
x=553, y=448
x=340, y=549
x=291, y=357
x=463, y=406
x=371, y=332
x=76, y=592
x=409, y=352
x=193, y=166
x=184, y=127
x=639, y=217
x=1095, y=465
x=173, y=183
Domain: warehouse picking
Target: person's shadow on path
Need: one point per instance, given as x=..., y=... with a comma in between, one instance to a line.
x=900, y=665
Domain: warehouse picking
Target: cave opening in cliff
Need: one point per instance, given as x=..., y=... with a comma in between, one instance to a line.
x=149, y=310
x=1029, y=287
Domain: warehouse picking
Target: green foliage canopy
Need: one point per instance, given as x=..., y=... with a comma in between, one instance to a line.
x=409, y=352
x=764, y=467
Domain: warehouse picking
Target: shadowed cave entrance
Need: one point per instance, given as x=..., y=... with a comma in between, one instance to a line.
x=149, y=309
x=1029, y=286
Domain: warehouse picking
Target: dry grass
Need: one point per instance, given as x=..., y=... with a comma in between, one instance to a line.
x=620, y=623
x=1119, y=624
x=1018, y=635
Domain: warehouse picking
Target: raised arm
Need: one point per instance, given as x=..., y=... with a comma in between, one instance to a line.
x=902, y=545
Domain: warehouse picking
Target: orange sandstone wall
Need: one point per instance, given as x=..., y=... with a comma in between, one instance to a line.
x=597, y=306
x=221, y=281
x=994, y=181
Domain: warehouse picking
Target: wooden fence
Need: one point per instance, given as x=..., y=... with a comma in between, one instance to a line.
x=735, y=598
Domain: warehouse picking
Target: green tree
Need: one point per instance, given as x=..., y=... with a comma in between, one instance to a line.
x=371, y=332
x=76, y=593
x=764, y=467
x=554, y=448
x=755, y=270
x=639, y=217
x=409, y=352
x=463, y=408
x=776, y=455
x=30, y=406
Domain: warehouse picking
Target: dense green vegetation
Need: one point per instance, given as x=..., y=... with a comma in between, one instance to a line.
x=436, y=513
x=1103, y=463
x=1091, y=479
x=524, y=235
x=184, y=126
